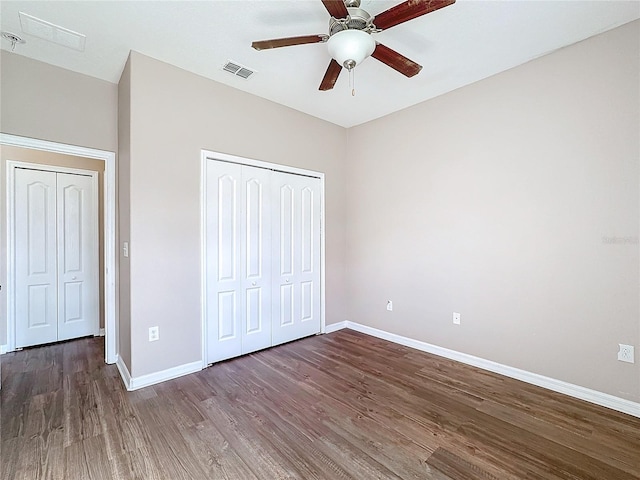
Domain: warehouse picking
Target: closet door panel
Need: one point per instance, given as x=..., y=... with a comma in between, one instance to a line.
x=255, y=251
x=35, y=257
x=77, y=233
x=223, y=260
x=296, y=253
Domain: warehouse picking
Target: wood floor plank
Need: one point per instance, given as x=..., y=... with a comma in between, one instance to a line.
x=86, y=459
x=298, y=450
x=626, y=459
x=308, y=453
x=173, y=454
x=18, y=394
x=456, y=467
x=9, y=456
x=551, y=457
x=338, y=406
x=80, y=408
x=40, y=460
x=218, y=459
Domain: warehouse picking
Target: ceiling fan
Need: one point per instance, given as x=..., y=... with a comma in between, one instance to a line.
x=350, y=39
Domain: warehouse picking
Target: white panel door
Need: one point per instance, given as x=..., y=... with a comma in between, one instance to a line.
x=296, y=257
x=77, y=232
x=35, y=257
x=222, y=257
x=56, y=257
x=255, y=251
x=238, y=260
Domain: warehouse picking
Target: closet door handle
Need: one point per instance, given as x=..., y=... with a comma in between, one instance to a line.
x=253, y=284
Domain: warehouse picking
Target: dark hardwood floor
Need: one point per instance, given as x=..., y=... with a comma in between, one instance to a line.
x=335, y=406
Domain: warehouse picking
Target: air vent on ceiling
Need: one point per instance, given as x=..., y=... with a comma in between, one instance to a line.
x=238, y=70
x=51, y=32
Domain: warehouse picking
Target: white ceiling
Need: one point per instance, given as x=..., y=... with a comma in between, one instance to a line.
x=456, y=45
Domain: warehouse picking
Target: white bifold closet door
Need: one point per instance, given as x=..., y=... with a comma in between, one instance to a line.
x=262, y=256
x=56, y=257
x=238, y=260
x=296, y=257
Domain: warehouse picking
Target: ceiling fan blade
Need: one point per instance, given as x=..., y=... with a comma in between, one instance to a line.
x=288, y=42
x=336, y=8
x=408, y=11
x=330, y=76
x=398, y=62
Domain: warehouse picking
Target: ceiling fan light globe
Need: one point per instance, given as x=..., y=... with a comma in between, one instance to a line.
x=352, y=46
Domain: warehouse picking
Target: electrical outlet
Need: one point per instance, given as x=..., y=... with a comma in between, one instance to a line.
x=154, y=334
x=456, y=318
x=389, y=305
x=625, y=354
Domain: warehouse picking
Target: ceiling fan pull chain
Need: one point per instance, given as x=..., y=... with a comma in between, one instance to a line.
x=352, y=82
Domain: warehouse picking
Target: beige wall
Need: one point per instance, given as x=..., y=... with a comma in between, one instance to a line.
x=50, y=103
x=175, y=114
x=124, y=159
x=514, y=201
x=55, y=159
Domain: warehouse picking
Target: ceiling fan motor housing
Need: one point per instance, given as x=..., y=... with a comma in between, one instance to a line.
x=358, y=19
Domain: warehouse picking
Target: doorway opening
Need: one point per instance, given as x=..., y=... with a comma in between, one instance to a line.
x=107, y=234
x=55, y=249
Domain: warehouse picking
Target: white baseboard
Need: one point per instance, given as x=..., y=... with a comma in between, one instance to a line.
x=135, y=383
x=334, y=327
x=576, y=391
x=100, y=333
x=124, y=372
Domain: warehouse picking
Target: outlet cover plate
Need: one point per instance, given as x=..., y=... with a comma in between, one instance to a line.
x=626, y=353
x=154, y=334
